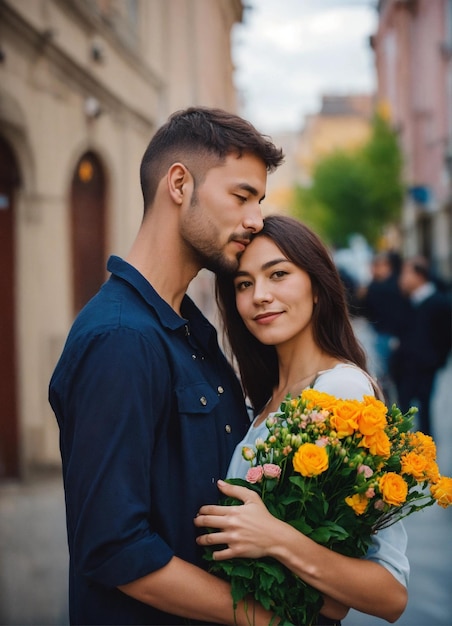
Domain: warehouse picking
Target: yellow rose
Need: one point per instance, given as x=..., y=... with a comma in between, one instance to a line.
x=372, y=418
x=377, y=404
x=393, y=488
x=442, y=491
x=415, y=465
x=423, y=444
x=310, y=460
x=378, y=444
x=358, y=502
x=345, y=417
x=432, y=471
x=318, y=398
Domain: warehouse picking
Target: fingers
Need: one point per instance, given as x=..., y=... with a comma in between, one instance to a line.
x=209, y=521
x=236, y=491
x=211, y=539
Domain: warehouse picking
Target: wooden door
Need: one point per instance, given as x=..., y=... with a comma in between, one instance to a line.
x=9, y=431
x=88, y=202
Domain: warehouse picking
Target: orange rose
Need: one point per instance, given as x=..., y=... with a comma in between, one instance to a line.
x=432, y=471
x=442, y=491
x=318, y=398
x=415, y=465
x=345, y=417
x=310, y=460
x=372, y=418
x=423, y=444
x=377, y=444
x=358, y=502
x=393, y=488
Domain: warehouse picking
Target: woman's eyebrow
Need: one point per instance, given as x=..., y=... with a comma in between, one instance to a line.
x=265, y=266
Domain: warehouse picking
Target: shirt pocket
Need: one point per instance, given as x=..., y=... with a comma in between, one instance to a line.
x=196, y=399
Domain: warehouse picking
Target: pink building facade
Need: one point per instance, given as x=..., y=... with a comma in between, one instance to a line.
x=413, y=53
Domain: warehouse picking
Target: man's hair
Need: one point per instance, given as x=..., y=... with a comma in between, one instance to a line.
x=420, y=266
x=201, y=138
x=333, y=333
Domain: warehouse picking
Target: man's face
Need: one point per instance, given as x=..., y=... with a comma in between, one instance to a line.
x=409, y=279
x=225, y=211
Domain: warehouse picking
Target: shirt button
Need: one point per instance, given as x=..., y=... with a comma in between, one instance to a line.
x=193, y=356
x=228, y=428
x=220, y=389
x=203, y=400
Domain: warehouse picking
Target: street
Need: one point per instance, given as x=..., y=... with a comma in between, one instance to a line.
x=33, y=561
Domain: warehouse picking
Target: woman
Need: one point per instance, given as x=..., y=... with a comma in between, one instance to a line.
x=286, y=319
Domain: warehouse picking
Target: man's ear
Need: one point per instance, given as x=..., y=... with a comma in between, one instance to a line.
x=178, y=178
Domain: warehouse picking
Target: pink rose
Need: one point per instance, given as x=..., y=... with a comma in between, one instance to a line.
x=254, y=474
x=366, y=470
x=271, y=470
x=370, y=493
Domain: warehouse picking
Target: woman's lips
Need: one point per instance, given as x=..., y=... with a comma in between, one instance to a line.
x=267, y=318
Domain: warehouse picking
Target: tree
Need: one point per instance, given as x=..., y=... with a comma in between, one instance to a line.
x=360, y=192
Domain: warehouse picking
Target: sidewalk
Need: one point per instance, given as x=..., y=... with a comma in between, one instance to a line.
x=34, y=559
x=33, y=552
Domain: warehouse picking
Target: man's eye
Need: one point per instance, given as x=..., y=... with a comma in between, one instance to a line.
x=241, y=198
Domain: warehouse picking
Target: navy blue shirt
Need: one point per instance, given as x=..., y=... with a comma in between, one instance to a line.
x=149, y=412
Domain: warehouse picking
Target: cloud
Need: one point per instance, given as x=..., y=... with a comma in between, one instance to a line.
x=288, y=53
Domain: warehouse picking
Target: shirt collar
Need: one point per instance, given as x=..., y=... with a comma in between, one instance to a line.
x=167, y=315
x=422, y=293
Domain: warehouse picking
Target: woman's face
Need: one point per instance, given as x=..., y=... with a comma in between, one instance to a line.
x=273, y=295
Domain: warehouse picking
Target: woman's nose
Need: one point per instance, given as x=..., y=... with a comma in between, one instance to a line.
x=262, y=293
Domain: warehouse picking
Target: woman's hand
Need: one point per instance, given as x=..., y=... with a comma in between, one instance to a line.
x=248, y=530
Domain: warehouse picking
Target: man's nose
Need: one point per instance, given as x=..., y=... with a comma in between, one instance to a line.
x=253, y=219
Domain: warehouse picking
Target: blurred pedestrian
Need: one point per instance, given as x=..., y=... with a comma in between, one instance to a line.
x=425, y=339
x=383, y=305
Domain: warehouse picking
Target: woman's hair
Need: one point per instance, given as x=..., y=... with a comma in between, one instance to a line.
x=201, y=138
x=332, y=330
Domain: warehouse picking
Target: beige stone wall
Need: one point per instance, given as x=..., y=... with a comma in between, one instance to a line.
x=59, y=56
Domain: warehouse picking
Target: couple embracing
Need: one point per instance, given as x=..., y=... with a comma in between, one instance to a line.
x=152, y=416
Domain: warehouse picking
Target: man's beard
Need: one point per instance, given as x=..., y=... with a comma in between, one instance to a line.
x=217, y=263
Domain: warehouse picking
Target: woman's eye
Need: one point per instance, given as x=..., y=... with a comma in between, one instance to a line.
x=242, y=285
x=279, y=274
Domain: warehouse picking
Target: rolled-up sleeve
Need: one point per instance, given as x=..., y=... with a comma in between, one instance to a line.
x=388, y=548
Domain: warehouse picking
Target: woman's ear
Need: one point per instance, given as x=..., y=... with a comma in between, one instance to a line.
x=178, y=178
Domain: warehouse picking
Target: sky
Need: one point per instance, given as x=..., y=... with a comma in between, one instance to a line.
x=287, y=53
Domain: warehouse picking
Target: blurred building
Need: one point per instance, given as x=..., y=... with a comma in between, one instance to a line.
x=83, y=86
x=413, y=52
x=342, y=123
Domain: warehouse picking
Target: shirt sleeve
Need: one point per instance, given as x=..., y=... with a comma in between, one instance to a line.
x=388, y=548
x=345, y=381
x=113, y=401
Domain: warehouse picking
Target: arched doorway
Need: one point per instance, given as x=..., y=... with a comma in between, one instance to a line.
x=88, y=216
x=9, y=430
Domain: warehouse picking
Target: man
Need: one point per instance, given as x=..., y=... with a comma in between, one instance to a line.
x=425, y=340
x=148, y=408
x=383, y=304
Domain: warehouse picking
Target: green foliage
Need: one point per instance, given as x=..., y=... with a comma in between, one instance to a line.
x=360, y=192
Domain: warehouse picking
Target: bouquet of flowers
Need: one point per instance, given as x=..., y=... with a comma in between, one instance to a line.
x=338, y=471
